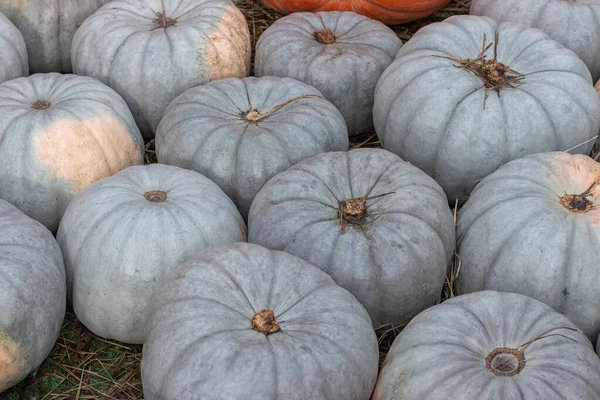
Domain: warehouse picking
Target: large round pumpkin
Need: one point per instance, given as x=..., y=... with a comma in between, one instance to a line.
x=459, y=113
x=390, y=12
x=342, y=54
x=151, y=51
x=242, y=132
x=124, y=234
x=490, y=345
x=243, y=322
x=575, y=24
x=32, y=294
x=48, y=27
x=13, y=52
x=533, y=227
x=58, y=134
x=379, y=226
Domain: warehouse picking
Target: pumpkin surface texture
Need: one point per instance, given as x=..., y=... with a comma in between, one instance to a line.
x=124, y=234
x=32, y=294
x=242, y=132
x=342, y=54
x=390, y=12
x=13, y=52
x=257, y=324
x=459, y=120
x=151, y=51
x=379, y=226
x=58, y=134
x=533, y=227
x=487, y=346
x=574, y=23
x=48, y=27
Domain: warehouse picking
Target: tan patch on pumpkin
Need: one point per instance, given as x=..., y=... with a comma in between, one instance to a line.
x=228, y=52
x=83, y=151
x=11, y=362
x=580, y=173
x=597, y=87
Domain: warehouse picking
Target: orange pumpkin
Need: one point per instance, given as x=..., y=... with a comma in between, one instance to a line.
x=389, y=12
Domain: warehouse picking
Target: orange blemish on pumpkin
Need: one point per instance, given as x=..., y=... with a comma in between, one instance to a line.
x=597, y=87
x=11, y=362
x=228, y=50
x=83, y=151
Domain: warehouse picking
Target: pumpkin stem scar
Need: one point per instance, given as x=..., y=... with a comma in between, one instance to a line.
x=41, y=105
x=256, y=116
x=264, y=322
x=504, y=361
x=156, y=196
x=162, y=21
x=11, y=362
x=579, y=203
x=494, y=74
x=325, y=36
x=354, y=211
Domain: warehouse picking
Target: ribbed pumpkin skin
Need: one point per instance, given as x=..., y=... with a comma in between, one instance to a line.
x=574, y=24
x=32, y=294
x=13, y=52
x=390, y=12
x=150, y=66
x=346, y=71
x=50, y=154
x=326, y=348
x=118, y=245
x=515, y=235
x=48, y=27
x=432, y=113
x=395, y=262
x=204, y=129
x=443, y=350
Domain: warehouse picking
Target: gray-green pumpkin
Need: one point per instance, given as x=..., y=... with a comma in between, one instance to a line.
x=124, y=234
x=243, y=322
x=459, y=120
x=151, y=51
x=490, y=346
x=48, y=27
x=13, y=52
x=342, y=54
x=242, y=132
x=533, y=227
x=574, y=23
x=379, y=226
x=32, y=294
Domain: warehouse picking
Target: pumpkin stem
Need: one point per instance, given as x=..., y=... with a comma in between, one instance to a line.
x=162, y=21
x=579, y=203
x=156, y=196
x=325, y=36
x=505, y=361
x=41, y=105
x=494, y=74
x=256, y=116
x=354, y=211
x=264, y=322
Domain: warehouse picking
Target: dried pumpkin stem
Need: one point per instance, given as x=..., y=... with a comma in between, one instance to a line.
x=256, y=116
x=156, y=196
x=162, y=21
x=325, y=36
x=579, y=203
x=354, y=211
x=265, y=322
x=41, y=105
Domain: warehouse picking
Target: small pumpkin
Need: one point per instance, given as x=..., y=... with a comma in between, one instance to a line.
x=124, y=234
x=390, y=12
x=48, y=27
x=379, y=226
x=151, y=51
x=533, y=227
x=257, y=324
x=459, y=112
x=242, y=132
x=342, y=54
x=58, y=134
x=32, y=294
x=490, y=345
x=12, y=51
x=574, y=24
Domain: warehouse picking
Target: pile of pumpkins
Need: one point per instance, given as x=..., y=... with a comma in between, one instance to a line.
x=256, y=259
